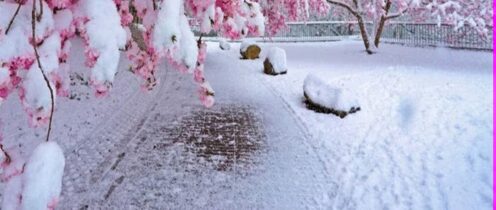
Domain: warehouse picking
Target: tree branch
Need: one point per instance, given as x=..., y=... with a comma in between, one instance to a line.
x=13, y=18
x=346, y=6
x=38, y=18
x=395, y=15
x=8, y=159
x=33, y=27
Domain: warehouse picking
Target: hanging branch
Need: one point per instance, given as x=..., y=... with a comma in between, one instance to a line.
x=33, y=27
x=13, y=18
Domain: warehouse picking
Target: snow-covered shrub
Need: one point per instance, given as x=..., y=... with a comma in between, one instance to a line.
x=329, y=97
x=249, y=50
x=275, y=63
x=224, y=45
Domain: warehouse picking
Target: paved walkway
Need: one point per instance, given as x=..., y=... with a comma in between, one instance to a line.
x=164, y=151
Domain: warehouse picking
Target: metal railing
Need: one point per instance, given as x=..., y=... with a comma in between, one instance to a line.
x=429, y=34
x=413, y=34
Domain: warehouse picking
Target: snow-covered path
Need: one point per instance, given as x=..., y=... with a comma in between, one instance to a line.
x=151, y=153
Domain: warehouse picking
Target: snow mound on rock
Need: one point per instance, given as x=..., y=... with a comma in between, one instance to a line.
x=42, y=178
x=275, y=63
x=331, y=96
x=245, y=44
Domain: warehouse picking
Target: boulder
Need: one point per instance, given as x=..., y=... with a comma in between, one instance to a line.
x=275, y=63
x=326, y=97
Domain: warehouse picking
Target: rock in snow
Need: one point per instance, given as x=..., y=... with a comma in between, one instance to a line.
x=42, y=177
x=224, y=45
x=275, y=63
x=327, y=97
x=249, y=50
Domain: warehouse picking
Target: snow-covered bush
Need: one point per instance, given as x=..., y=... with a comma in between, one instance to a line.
x=275, y=63
x=249, y=49
x=329, y=97
x=224, y=45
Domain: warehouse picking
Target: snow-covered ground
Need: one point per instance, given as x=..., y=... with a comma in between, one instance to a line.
x=422, y=139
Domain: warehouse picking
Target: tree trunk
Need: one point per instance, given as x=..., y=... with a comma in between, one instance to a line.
x=363, y=32
x=378, y=33
x=382, y=22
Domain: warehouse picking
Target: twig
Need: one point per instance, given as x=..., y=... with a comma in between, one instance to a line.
x=38, y=18
x=199, y=42
x=8, y=159
x=154, y=5
x=13, y=18
x=33, y=27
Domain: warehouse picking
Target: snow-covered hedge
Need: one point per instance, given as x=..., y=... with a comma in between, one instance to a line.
x=275, y=63
x=327, y=97
x=249, y=50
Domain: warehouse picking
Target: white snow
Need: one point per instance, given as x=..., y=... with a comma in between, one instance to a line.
x=255, y=17
x=42, y=177
x=209, y=17
x=167, y=31
x=423, y=139
x=224, y=45
x=14, y=43
x=12, y=194
x=63, y=19
x=277, y=58
x=103, y=15
x=423, y=136
x=37, y=94
x=188, y=46
x=48, y=52
x=330, y=94
x=245, y=44
x=4, y=75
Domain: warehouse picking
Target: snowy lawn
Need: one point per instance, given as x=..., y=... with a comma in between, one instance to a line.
x=422, y=139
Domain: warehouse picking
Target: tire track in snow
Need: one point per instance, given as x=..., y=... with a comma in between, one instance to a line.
x=101, y=145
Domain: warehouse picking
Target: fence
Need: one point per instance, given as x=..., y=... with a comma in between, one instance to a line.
x=414, y=34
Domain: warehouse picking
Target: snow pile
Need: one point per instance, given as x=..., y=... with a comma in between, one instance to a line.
x=275, y=63
x=224, y=45
x=329, y=97
x=42, y=178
